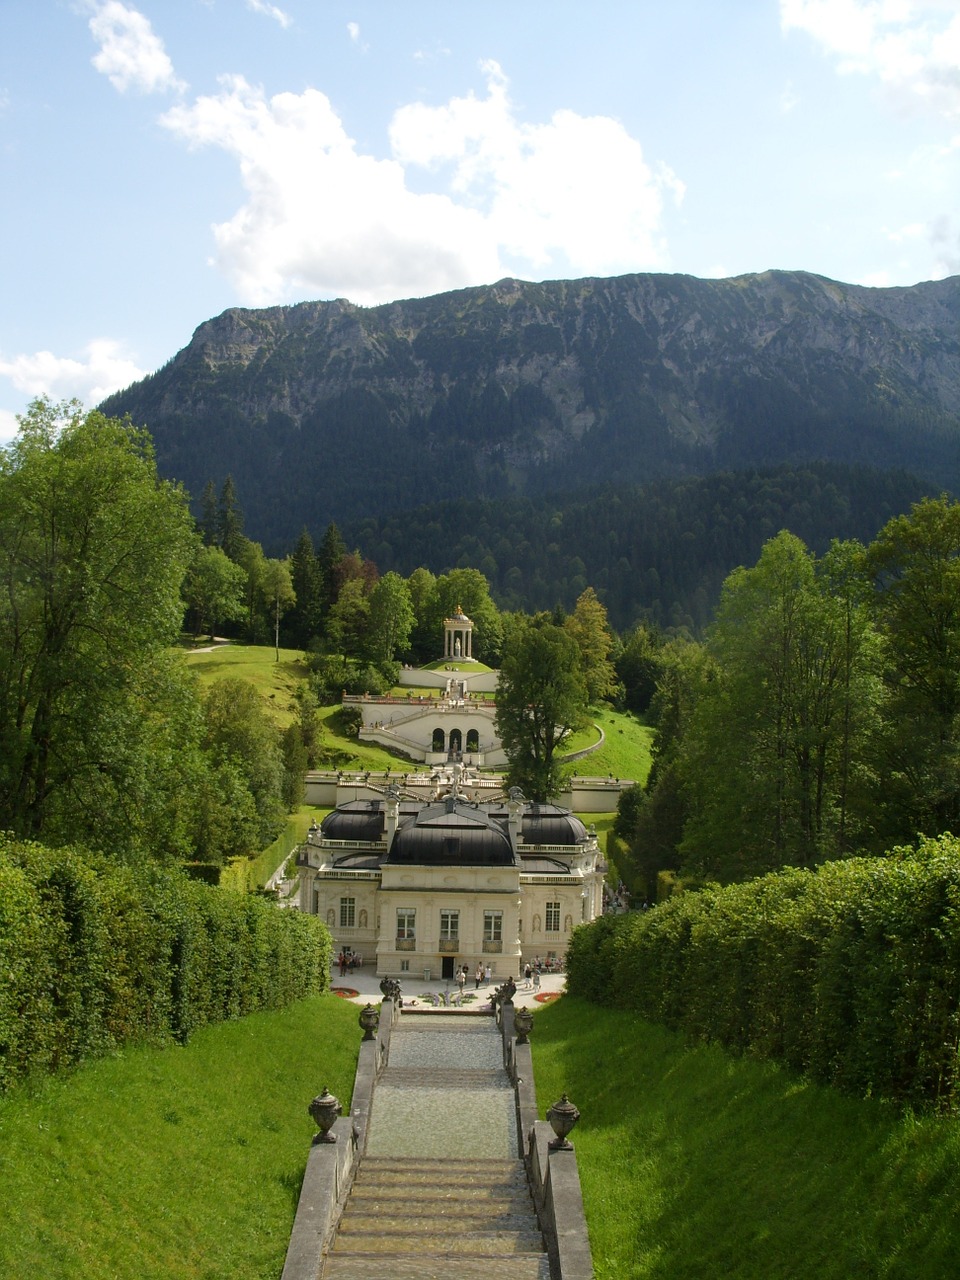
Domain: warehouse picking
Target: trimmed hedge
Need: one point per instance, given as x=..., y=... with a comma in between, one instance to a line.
x=849, y=973
x=95, y=954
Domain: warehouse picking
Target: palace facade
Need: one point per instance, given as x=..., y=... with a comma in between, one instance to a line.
x=427, y=883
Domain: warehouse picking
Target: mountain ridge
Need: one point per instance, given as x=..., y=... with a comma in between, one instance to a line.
x=330, y=411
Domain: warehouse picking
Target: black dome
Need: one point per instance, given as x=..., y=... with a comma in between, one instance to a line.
x=452, y=833
x=549, y=824
x=355, y=820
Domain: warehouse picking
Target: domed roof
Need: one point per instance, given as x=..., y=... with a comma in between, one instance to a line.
x=544, y=824
x=355, y=820
x=451, y=833
x=550, y=824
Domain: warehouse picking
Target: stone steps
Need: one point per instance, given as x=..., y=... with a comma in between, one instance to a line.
x=452, y=1266
x=434, y=1218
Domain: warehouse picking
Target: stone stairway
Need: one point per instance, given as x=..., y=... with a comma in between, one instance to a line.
x=433, y=1219
x=441, y=1191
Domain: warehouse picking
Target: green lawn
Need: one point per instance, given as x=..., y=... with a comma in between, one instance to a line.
x=181, y=1163
x=695, y=1164
x=624, y=754
x=185, y=1163
x=274, y=681
x=626, y=747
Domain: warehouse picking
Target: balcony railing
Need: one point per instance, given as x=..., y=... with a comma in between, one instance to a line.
x=451, y=945
x=406, y=944
x=493, y=944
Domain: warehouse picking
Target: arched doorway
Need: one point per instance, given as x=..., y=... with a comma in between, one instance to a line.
x=437, y=740
x=456, y=742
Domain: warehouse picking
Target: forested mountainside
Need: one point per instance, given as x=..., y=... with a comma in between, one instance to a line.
x=658, y=552
x=328, y=411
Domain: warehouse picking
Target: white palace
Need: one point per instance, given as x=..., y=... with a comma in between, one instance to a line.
x=437, y=868
x=429, y=882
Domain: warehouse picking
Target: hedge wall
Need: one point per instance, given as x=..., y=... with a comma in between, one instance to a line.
x=850, y=973
x=95, y=954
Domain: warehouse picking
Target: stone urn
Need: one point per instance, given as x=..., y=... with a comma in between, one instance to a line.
x=523, y=1023
x=563, y=1115
x=369, y=1019
x=325, y=1108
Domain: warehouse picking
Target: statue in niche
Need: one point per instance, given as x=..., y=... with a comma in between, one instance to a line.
x=363, y=919
x=330, y=917
x=456, y=647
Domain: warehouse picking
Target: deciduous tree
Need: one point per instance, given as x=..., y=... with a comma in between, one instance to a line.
x=93, y=548
x=541, y=700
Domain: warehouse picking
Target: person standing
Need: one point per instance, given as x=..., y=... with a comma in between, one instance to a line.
x=461, y=977
x=478, y=977
x=488, y=974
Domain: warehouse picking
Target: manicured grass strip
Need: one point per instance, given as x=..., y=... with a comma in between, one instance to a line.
x=626, y=747
x=695, y=1164
x=177, y=1164
x=244, y=874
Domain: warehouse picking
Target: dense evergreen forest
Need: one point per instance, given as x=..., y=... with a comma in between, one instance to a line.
x=657, y=552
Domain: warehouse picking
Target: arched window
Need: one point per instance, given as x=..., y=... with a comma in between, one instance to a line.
x=437, y=740
x=473, y=740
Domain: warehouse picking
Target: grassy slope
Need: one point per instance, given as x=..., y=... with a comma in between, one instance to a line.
x=626, y=747
x=625, y=753
x=275, y=681
x=180, y=1162
x=697, y=1164
x=186, y=1162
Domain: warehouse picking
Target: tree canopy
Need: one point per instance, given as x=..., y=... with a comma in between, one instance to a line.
x=93, y=549
x=541, y=700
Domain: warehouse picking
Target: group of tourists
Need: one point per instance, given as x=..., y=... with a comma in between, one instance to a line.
x=483, y=974
x=348, y=961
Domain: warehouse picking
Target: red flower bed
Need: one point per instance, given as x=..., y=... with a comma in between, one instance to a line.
x=544, y=996
x=346, y=993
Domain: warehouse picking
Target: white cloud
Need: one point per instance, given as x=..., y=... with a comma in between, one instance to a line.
x=131, y=56
x=319, y=217
x=102, y=368
x=911, y=231
x=911, y=45
x=574, y=194
x=353, y=31
x=875, y=280
x=270, y=11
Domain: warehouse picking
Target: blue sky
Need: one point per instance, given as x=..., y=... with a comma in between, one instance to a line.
x=164, y=160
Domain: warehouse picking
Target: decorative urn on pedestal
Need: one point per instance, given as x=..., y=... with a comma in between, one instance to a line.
x=325, y=1108
x=523, y=1023
x=369, y=1019
x=563, y=1115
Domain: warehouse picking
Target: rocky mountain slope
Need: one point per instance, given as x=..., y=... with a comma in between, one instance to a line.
x=329, y=411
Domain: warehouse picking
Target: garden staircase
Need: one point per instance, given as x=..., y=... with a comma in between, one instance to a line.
x=441, y=1191
x=421, y=1218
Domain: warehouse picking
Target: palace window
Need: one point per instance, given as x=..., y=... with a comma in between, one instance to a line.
x=450, y=924
x=552, y=917
x=348, y=913
x=406, y=922
x=492, y=926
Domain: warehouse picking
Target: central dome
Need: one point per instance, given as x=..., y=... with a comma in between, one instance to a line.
x=452, y=833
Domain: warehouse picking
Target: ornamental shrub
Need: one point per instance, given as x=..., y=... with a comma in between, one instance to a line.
x=95, y=954
x=850, y=973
